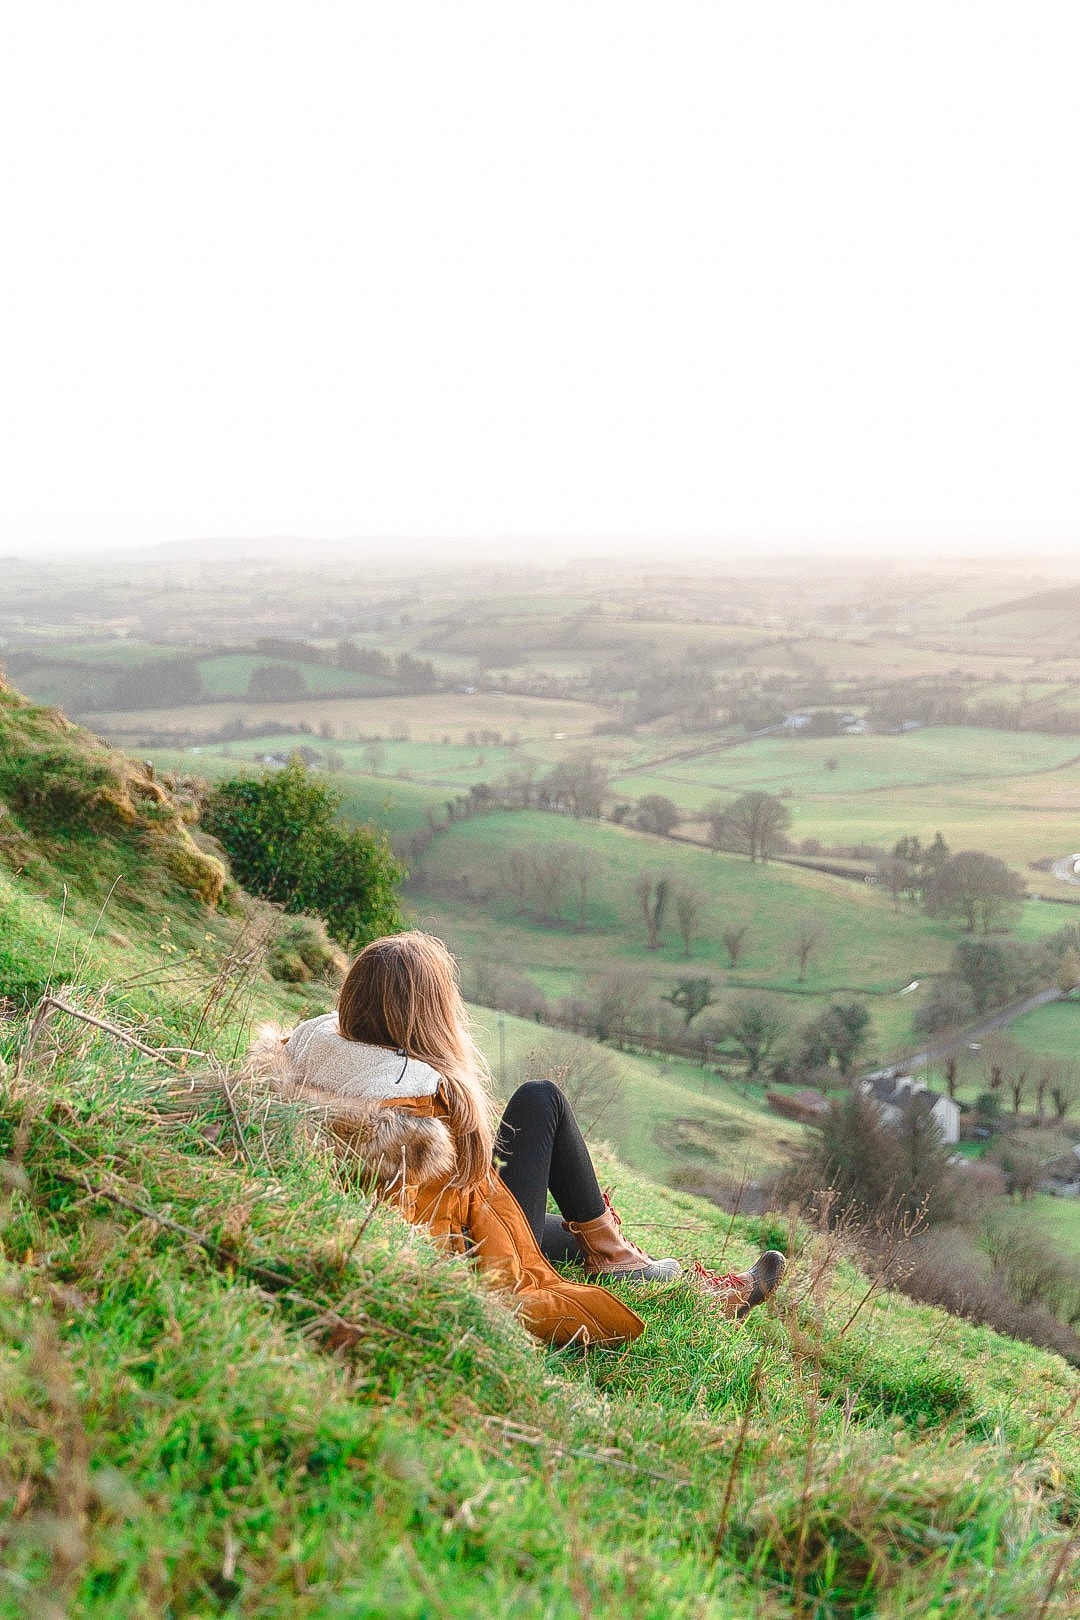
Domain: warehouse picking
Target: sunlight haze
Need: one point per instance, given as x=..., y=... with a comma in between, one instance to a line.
x=797, y=276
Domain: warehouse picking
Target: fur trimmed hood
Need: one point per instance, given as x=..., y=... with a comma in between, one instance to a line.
x=390, y=1147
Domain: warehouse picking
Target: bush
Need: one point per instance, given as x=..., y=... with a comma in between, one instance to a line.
x=301, y=950
x=281, y=833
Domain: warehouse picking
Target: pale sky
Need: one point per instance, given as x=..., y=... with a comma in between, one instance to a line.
x=795, y=273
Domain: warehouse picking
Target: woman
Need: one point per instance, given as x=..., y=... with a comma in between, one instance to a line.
x=397, y=1078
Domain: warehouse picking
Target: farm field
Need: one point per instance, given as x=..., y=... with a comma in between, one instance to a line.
x=428, y=716
x=1055, y=1218
x=228, y=675
x=926, y=758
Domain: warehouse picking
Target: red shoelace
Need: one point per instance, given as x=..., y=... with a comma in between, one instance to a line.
x=713, y=1279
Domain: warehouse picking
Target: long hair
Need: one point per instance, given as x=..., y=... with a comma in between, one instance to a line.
x=403, y=992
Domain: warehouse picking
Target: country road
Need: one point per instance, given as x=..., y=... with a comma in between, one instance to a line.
x=961, y=1037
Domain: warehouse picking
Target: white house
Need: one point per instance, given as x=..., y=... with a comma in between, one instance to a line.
x=893, y=1096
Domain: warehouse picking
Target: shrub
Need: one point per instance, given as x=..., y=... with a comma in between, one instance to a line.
x=281, y=833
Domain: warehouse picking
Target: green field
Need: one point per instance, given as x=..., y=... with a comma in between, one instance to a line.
x=228, y=674
x=1052, y=1031
x=916, y=761
x=870, y=949
x=1055, y=1218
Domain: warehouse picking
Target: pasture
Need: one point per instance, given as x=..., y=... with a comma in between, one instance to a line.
x=228, y=674
x=1052, y=1031
x=868, y=948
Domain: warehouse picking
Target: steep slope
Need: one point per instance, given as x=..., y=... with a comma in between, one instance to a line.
x=227, y=1384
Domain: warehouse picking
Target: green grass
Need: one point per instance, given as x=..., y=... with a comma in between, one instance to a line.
x=918, y=760
x=869, y=948
x=229, y=1385
x=1056, y=1218
x=228, y=674
x=1052, y=1031
x=192, y=1441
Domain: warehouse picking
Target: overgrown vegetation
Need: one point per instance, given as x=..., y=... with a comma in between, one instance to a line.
x=231, y=1386
x=283, y=837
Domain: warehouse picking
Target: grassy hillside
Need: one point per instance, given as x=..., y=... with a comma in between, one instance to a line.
x=868, y=947
x=232, y=1387
x=228, y=1384
x=105, y=880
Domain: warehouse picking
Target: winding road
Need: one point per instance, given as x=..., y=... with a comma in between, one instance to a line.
x=1067, y=868
x=961, y=1037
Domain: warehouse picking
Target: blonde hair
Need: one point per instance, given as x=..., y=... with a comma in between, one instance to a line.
x=403, y=991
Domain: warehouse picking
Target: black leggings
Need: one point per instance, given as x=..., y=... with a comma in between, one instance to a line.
x=540, y=1149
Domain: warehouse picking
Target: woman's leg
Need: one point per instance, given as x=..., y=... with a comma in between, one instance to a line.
x=541, y=1149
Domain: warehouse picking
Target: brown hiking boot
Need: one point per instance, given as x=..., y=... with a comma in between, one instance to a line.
x=737, y=1292
x=605, y=1252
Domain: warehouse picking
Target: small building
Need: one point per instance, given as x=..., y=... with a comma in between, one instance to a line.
x=896, y=1094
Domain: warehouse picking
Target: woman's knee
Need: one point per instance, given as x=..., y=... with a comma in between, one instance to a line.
x=538, y=1095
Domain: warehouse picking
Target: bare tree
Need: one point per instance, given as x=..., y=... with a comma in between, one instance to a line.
x=656, y=814
x=589, y=1076
x=1068, y=977
x=579, y=868
x=734, y=937
x=652, y=893
x=999, y=1054
x=1019, y=1075
x=549, y=880
x=1065, y=1089
x=517, y=875
x=578, y=785
x=1046, y=1074
x=894, y=875
x=688, y=904
x=754, y=825
x=520, y=783
x=374, y=756
x=950, y=1068
x=611, y=1001
x=975, y=886
x=809, y=937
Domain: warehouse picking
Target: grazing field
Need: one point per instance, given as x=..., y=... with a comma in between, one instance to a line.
x=1055, y=1218
x=228, y=675
x=1052, y=1031
x=919, y=759
x=868, y=948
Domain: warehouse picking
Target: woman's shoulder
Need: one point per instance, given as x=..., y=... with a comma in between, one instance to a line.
x=353, y=1068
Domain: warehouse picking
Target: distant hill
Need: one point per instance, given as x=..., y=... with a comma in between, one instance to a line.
x=1056, y=601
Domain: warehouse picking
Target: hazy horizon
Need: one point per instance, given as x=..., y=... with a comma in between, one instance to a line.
x=533, y=550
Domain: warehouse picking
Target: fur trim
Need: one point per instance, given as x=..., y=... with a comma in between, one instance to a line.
x=388, y=1146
